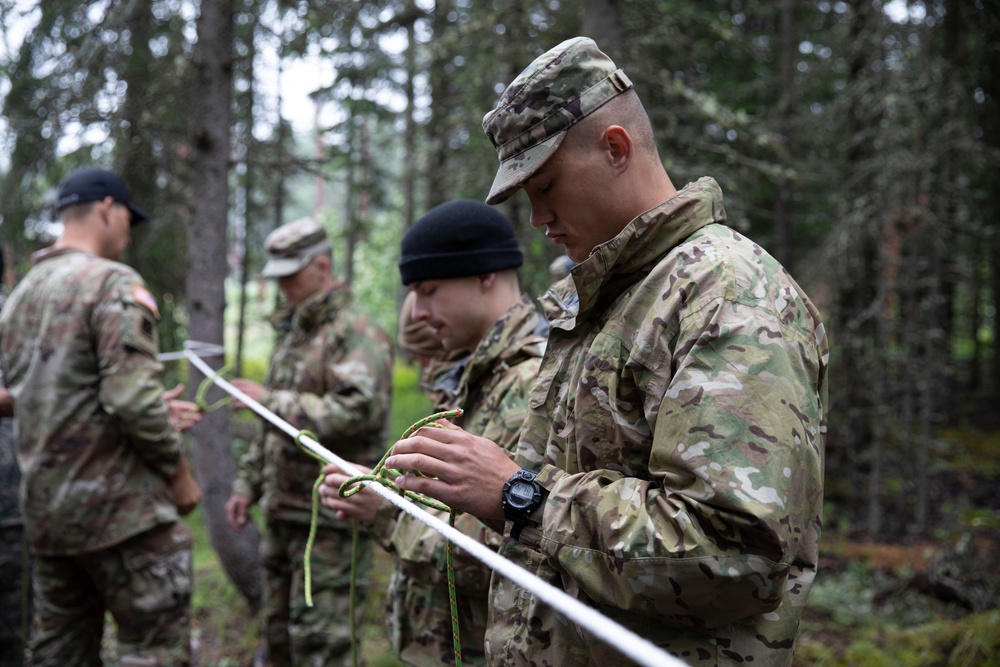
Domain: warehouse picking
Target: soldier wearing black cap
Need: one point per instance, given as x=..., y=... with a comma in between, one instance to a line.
x=104, y=479
x=330, y=373
x=670, y=470
x=460, y=262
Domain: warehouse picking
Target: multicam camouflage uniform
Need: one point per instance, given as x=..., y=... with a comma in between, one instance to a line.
x=678, y=426
x=493, y=391
x=79, y=341
x=14, y=561
x=331, y=374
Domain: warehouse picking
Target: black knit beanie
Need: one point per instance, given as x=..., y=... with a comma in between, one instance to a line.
x=464, y=237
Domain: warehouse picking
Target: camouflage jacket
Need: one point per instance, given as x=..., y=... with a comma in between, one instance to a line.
x=10, y=474
x=78, y=339
x=678, y=429
x=440, y=379
x=331, y=374
x=493, y=392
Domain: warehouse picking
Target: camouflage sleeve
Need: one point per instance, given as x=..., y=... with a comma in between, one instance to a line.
x=506, y=407
x=387, y=517
x=249, y=481
x=359, y=375
x=126, y=340
x=735, y=476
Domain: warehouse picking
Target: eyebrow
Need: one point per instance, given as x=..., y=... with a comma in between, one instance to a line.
x=541, y=171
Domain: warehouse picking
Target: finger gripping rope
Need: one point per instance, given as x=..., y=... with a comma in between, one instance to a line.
x=382, y=475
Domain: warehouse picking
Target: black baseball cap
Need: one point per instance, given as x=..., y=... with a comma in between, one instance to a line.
x=94, y=184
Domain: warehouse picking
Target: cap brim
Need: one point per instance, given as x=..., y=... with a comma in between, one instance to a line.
x=279, y=268
x=138, y=215
x=514, y=171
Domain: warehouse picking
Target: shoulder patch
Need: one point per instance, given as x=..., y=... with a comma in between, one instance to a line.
x=146, y=298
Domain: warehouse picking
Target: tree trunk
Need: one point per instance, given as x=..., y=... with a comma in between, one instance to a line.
x=350, y=195
x=438, y=126
x=783, y=195
x=214, y=465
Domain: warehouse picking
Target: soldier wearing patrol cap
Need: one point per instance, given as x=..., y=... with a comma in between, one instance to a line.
x=103, y=475
x=331, y=374
x=670, y=470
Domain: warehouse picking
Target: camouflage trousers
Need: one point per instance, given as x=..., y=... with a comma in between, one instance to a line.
x=299, y=635
x=144, y=582
x=15, y=596
x=420, y=624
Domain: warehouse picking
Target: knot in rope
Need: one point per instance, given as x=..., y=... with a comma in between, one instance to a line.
x=385, y=476
x=206, y=384
x=380, y=474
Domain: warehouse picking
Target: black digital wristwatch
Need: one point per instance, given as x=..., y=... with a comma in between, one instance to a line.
x=521, y=496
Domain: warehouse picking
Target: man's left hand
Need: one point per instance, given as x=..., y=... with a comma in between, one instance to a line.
x=254, y=390
x=183, y=414
x=465, y=471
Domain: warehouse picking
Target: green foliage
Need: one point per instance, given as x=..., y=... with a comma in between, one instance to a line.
x=970, y=642
x=409, y=404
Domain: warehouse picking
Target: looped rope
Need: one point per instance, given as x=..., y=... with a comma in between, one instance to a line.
x=206, y=384
x=380, y=474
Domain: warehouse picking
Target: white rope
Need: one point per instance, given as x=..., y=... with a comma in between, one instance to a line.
x=637, y=648
x=203, y=350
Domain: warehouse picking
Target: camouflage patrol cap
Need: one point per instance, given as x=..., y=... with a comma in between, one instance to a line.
x=291, y=247
x=558, y=89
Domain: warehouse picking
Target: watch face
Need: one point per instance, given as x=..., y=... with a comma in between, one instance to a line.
x=521, y=494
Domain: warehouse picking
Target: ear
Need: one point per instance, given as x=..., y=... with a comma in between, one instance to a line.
x=486, y=281
x=322, y=262
x=618, y=145
x=105, y=206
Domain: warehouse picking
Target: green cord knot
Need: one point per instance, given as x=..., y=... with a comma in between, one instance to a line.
x=380, y=474
x=206, y=384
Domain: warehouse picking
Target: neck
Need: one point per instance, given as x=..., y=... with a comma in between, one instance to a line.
x=74, y=238
x=506, y=295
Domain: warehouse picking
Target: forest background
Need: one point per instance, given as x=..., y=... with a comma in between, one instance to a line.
x=857, y=140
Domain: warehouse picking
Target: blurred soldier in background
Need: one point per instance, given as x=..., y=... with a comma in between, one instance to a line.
x=15, y=563
x=104, y=478
x=331, y=374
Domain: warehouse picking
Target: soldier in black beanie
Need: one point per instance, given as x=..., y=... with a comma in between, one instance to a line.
x=459, y=238
x=460, y=262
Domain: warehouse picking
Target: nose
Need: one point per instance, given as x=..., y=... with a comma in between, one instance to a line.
x=541, y=215
x=419, y=312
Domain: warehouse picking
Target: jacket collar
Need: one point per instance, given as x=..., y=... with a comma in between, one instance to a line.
x=626, y=258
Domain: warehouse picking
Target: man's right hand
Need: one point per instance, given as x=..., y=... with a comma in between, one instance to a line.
x=237, y=513
x=362, y=506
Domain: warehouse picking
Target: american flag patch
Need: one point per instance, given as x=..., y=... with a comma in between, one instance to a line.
x=143, y=296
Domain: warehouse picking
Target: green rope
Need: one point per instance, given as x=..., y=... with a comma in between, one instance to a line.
x=206, y=384
x=380, y=474
x=311, y=540
x=314, y=518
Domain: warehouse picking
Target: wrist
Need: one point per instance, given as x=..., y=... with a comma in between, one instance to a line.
x=521, y=498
